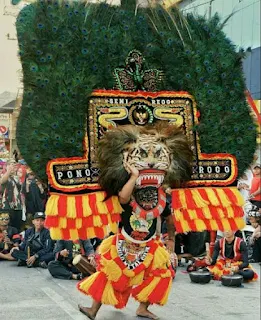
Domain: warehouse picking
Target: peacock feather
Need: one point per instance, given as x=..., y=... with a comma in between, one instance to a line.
x=68, y=49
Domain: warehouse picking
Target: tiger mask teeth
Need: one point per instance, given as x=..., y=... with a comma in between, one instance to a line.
x=149, y=179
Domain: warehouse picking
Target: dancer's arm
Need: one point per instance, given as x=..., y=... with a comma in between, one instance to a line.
x=170, y=243
x=126, y=191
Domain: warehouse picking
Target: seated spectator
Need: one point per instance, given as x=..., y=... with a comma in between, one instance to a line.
x=233, y=258
x=65, y=251
x=36, y=250
x=255, y=240
x=9, y=236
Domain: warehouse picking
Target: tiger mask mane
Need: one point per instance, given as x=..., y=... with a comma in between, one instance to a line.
x=160, y=151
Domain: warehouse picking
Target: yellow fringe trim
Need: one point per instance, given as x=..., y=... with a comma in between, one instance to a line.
x=85, y=206
x=212, y=197
x=56, y=233
x=108, y=296
x=200, y=225
x=223, y=197
x=143, y=295
x=161, y=258
x=182, y=198
x=166, y=295
x=87, y=283
x=137, y=280
x=111, y=269
x=240, y=200
x=71, y=208
x=201, y=203
x=105, y=245
x=52, y=206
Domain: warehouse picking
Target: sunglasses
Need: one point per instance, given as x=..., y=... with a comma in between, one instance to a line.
x=6, y=219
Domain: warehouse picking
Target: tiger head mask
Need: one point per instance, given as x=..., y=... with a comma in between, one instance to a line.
x=160, y=152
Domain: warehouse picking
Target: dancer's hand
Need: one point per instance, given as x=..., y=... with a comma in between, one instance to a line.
x=170, y=246
x=134, y=172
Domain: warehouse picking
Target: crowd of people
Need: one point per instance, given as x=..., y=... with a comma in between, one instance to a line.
x=24, y=238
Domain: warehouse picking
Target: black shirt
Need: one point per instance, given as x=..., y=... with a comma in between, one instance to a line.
x=229, y=253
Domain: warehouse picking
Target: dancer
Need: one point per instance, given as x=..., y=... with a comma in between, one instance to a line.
x=135, y=261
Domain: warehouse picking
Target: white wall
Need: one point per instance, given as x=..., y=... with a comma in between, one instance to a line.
x=9, y=61
x=243, y=28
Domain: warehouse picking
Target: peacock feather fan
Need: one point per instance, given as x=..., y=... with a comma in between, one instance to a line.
x=68, y=49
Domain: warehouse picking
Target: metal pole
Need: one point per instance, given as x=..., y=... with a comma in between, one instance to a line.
x=210, y=9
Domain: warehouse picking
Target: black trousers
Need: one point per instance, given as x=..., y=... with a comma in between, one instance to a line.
x=246, y=274
x=61, y=271
x=256, y=203
x=16, y=219
x=22, y=255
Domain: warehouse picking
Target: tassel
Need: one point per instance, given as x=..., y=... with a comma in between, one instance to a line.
x=74, y=234
x=71, y=208
x=176, y=204
x=137, y=280
x=101, y=205
x=56, y=233
x=182, y=197
x=78, y=223
x=108, y=296
x=62, y=206
x=199, y=201
x=62, y=223
x=200, y=225
x=52, y=205
x=207, y=213
x=117, y=208
x=212, y=197
x=223, y=197
x=111, y=269
x=146, y=289
x=78, y=205
x=189, y=199
x=213, y=225
x=85, y=206
x=161, y=258
x=90, y=233
x=166, y=294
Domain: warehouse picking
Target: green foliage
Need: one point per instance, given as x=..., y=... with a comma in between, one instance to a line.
x=68, y=49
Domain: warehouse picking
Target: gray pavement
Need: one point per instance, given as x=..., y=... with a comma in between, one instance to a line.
x=32, y=294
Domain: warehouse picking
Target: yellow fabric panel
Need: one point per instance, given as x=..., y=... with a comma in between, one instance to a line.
x=178, y=215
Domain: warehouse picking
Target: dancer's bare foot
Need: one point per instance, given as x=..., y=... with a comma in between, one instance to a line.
x=87, y=311
x=143, y=311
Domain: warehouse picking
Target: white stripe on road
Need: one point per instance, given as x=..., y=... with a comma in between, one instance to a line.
x=63, y=304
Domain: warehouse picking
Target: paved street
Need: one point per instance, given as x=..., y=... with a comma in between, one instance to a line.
x=31, y=294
